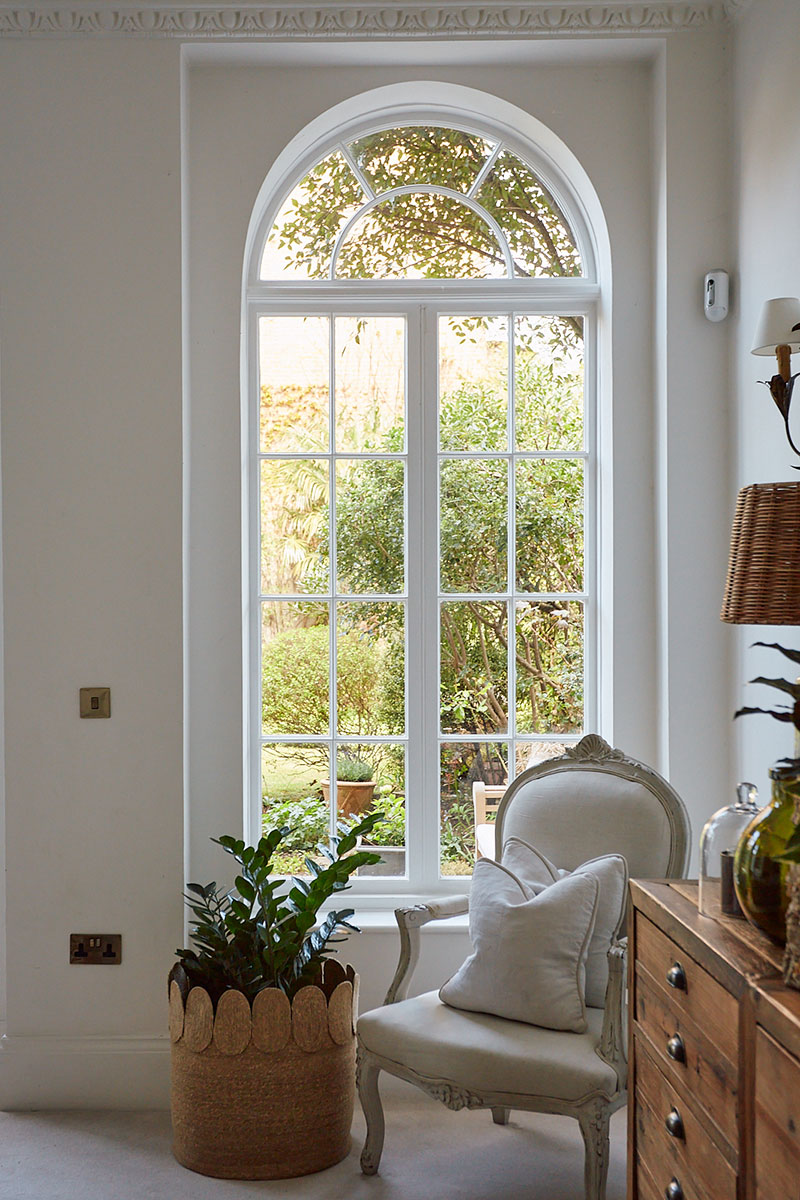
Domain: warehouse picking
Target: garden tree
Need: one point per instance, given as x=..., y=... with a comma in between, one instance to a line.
x=421, y=233
x=473, y=548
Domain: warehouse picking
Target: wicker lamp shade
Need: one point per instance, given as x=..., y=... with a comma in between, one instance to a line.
x=763, y=586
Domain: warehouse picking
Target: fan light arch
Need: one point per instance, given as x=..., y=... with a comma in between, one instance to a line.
x=421, y=187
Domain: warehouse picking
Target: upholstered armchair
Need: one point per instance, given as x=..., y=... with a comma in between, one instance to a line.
x=590, y=801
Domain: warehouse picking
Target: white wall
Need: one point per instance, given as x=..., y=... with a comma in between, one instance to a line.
x=90, y=381
x=91, y=391
x=692, y=235
x=767, y=139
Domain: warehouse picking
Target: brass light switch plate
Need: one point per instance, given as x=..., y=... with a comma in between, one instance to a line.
x=95, y=702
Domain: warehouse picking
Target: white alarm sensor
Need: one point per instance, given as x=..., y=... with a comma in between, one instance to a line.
x=715, y=295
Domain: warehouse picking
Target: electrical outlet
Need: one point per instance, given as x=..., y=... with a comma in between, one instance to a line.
x=95, y=949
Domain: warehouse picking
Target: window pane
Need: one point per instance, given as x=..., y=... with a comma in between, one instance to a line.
x=548, y=366
x=550, y=640
x=474, y=667
x=461, y=765
x=370, y=383
x=370, y=681
x=370, y=514
x=294, y=525
x=474, y=522
x=473, y=383
x=420, y=235
x=549, y=502
x=292, y=795
x=421, y=154
x=295, y=655
x=384, y=791
x=540, y=238
x=294, y=373
x=301, y=241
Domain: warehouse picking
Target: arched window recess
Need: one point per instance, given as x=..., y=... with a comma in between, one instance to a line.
x=422, y=503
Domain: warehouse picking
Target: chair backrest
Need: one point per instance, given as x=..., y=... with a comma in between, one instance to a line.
x=594, y=800
x=486, y=799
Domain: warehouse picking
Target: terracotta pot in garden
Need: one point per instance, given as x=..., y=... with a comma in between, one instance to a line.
x=264, y=1092
x=352, y=799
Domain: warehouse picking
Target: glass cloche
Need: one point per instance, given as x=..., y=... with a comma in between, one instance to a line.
x=718, y=842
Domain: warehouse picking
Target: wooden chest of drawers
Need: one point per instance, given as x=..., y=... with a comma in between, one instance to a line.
x=714, y=1088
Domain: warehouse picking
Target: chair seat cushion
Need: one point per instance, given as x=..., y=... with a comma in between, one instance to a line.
x=481, y=1053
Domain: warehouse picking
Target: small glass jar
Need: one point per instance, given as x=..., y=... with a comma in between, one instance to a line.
x=718, y=842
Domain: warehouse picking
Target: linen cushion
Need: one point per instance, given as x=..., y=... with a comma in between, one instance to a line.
x=529, y=950
x=482, y=1053
x=536, y=871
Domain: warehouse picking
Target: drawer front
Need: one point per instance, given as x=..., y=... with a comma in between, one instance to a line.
x=648, y=1189
x=777, y=1168
x=778, y=1087
x=689, y=1058
x=691, y=990
x=687, y=1153
x=777, y=1121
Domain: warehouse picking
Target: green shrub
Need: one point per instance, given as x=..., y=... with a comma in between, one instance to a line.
x=352, y=769
x=295, y=681
x=391, y=831
x=306, y=820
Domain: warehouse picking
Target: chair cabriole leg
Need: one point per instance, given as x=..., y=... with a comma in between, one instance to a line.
x=594, y=1127
x=369, y=1095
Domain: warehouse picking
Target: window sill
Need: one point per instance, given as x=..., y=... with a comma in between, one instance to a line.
x=375, y=920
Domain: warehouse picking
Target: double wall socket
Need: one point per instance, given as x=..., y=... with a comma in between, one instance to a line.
x=95, y=949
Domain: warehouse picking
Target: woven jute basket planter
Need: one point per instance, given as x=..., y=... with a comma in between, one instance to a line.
x=267, y=1092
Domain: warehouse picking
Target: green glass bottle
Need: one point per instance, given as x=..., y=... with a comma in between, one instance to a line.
x=760, y=881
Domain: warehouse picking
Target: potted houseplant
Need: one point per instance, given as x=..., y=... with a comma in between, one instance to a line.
x=770, y=843
x=355, y=785
x=262, y=1019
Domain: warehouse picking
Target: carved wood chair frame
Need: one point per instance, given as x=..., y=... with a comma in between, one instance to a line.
x=594, y=1110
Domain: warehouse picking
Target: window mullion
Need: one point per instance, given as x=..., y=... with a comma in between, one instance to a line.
x=333, y=747
x=512, y=554
x=429, y=544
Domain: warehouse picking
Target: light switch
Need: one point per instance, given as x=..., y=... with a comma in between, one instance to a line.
x=95, y=702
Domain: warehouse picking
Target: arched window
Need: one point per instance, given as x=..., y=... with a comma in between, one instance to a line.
x=421, y=301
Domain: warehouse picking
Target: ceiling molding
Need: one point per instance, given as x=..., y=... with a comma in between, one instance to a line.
x=347, y=19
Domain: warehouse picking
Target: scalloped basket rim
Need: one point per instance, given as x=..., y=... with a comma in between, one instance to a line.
x=327, y=1018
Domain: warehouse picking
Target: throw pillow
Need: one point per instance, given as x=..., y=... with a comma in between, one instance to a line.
x=529, y=950
x=611, y=871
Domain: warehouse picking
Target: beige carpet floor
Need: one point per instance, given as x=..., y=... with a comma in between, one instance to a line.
x=430, y=1154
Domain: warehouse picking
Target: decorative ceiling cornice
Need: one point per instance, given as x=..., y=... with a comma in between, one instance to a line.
x=351, y=19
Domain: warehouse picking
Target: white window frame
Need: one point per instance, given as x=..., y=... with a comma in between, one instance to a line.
x=421, y=302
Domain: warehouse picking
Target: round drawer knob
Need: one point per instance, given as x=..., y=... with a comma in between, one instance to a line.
x=676, y=977
x=676, y=1049
x=673, y=1190
x=674, y=1124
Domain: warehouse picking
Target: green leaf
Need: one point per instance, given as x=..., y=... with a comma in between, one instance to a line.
x=783, y=715
x=793, y=655
x=245, y=889
x=793, y=689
